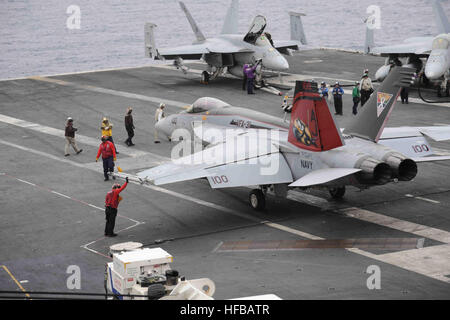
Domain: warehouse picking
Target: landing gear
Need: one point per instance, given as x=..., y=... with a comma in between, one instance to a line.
x=205, y=77
x=257, y=199
x=442, y=91
x=337, y=193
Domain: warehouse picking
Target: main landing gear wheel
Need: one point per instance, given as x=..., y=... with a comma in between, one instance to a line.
x=257, y=199
x=337, y=193
x=205, y=77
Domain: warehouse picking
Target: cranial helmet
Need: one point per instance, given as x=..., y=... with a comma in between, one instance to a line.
x=104, y=138
x=116, y=186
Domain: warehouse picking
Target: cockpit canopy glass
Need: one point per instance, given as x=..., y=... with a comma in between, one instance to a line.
x=205, y=104
x=440, y=43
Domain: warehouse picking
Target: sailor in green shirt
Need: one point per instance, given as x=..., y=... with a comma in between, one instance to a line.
x=356, y=94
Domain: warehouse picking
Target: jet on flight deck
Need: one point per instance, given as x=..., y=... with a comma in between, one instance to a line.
x=308, y=152
x=229, y=51
x=435, y=50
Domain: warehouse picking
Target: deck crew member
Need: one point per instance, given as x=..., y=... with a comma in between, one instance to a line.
x=108, y=153
x=159, y=114
x=244, y=80
x=107, y=131
x=404, y=95
x=70, y=137
x=323, y=90
x=129, y=126
x=356, y=95
x=111, y=203
x=337, y=95
x=365, y=87
x=250, y=73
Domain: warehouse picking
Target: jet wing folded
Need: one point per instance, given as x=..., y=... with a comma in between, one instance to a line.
x=420, y=46
x=240, y=161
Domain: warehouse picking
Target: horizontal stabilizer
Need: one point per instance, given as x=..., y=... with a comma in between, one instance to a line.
x=323, y=176
x=437, y=133
x=431, y=159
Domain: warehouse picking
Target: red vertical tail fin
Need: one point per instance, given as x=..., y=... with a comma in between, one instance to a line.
x=312, y=126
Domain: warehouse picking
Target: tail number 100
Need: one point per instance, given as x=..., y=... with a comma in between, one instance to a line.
x=420, y=148
x=219, y=179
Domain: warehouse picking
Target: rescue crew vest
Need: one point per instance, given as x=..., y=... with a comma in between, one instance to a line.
x=106, y=149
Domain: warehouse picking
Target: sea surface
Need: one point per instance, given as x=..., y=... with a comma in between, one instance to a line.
x=35, y=39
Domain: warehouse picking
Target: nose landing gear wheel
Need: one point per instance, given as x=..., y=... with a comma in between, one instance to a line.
x=337, y=193
x=257, y=199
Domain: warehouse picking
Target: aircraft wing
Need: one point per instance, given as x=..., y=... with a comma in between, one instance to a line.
x=421, y=46
x=195, y=51
x=412, y=142
x=227, y=164
x=189, y=52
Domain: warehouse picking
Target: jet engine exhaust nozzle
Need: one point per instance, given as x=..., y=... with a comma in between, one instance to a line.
x=403, y=169
x=375, y=172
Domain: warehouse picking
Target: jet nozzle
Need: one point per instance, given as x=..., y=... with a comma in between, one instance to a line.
x=402, y=169
x=374, y=172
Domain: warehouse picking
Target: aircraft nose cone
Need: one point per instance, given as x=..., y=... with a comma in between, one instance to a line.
x=278, y=63
x=433, y=72
x=283, y=64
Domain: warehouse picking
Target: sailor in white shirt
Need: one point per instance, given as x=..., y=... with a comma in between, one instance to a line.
x=159, y=114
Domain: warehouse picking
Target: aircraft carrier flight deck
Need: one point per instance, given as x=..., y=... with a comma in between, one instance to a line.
x=52, y=206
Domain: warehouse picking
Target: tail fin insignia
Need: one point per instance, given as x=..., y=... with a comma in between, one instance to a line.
x=312, y=127
x=382, y=101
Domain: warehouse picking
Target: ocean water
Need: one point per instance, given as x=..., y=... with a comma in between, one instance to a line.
x=35, y=40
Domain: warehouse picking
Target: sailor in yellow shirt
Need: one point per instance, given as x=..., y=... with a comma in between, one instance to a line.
x=107, y=131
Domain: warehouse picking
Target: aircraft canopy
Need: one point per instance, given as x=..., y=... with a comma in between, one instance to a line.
x=205, y=104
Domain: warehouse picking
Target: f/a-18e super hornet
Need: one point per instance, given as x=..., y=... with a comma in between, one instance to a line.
x=250, y=148
x=229, y=51
x=435, y=50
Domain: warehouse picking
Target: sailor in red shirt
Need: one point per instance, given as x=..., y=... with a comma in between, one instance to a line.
x=108, y=152
x=111, y=203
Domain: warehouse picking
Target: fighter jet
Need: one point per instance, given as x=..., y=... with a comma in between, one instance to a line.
x=229, y=51
x=249, y=148
x=435, y=50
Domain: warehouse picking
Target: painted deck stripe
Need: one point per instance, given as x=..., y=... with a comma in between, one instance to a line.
x=368, y=243
x=118, y=93
x=422, y=198
x=15, y=280
x=394, y=223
